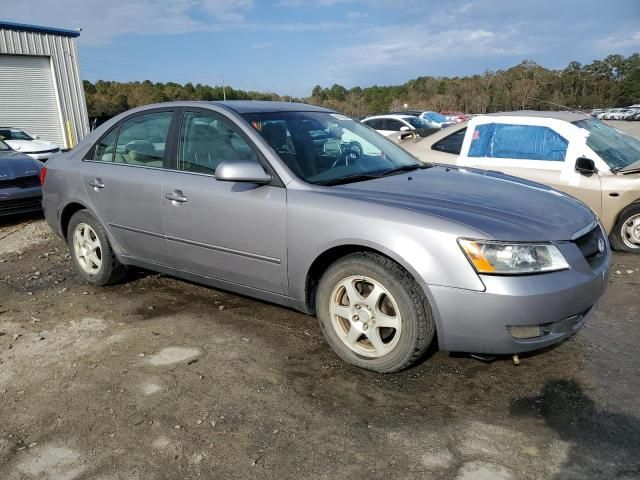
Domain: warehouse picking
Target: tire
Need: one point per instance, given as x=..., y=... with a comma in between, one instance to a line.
x=625, y=236
x=392, y=298
x=96, y=264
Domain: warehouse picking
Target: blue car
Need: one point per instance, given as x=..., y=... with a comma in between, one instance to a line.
x=20, y=188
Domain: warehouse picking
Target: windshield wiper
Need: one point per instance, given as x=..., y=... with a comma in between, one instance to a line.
x=406, y=168
x=349, y=179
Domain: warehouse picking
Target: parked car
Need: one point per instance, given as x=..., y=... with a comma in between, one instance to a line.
x=396, y=124
x=413, y=113
x=384, y=250
x=20, y=190
x=455, y=117
x=434, y=119
x=29, y=144
x=569, y=151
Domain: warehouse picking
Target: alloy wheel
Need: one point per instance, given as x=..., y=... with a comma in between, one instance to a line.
x=365, y=316
x=631, y=232
x=87, y=248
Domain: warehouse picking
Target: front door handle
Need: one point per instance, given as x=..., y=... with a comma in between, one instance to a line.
x=96, y=183
x=176, y=197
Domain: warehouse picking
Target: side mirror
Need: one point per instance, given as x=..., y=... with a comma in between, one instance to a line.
x=37, y=137
x=405, y=129
x=242, y=171
x=586, y=166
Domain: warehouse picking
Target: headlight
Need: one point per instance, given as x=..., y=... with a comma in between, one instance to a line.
x=503, y=258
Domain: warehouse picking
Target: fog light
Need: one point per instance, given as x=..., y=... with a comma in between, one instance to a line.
x=525, y=331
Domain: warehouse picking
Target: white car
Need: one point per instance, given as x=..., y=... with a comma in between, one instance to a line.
x=398, y=124
x=613, y=114
x=31, y=145
x=437, y=120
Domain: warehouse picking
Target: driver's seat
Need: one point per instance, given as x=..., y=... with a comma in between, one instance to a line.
x=276, y=136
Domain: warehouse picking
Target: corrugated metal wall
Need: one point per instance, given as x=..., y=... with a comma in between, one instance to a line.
x=66, y=71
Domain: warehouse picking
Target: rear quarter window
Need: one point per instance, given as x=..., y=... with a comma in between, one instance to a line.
x=451, y=143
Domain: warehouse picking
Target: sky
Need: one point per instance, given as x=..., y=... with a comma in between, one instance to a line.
x=289, y=46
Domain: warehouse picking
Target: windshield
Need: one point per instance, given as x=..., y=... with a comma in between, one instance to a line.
x=326, y=148
x=4, y=146
x=614, y=147
x=436, y=117
x=13, y=134
x=416, y=122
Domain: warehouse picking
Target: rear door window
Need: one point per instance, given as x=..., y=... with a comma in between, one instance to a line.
x=376, y=123
x=142, y=140
x=451, y=143
x=523, y=142
x=394, y=125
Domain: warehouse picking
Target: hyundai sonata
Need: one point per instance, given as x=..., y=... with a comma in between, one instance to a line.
x=304, y=207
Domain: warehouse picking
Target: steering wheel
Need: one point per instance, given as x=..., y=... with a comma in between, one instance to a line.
x=350, y=154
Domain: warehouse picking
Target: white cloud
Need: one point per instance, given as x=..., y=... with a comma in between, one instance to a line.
x=228, y=10
x=414, y=45
x=614, y=42
x=311, y=3
x=261, y=45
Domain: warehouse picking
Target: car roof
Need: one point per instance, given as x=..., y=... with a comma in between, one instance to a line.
x=261, y=106
x=567, y=116
x=239, y=106
x=391, y=115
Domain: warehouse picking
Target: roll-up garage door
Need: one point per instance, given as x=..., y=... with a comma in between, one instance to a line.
x=28, y=97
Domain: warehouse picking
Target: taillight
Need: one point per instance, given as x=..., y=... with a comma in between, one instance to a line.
x=43, y=175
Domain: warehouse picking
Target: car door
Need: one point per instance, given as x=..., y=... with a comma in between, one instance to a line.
x=538, y=149
x=393, y=126
x=123, y=177
x=230, y=231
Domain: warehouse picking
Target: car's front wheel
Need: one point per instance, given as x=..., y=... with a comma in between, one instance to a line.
x=626, y=233
x=373, y=313
x=91, y=251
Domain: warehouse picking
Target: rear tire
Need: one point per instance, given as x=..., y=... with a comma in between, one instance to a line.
x=626, y=233
x=373, y=313
x=91, y=251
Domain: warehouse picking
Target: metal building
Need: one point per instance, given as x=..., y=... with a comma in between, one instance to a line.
x=40, y=86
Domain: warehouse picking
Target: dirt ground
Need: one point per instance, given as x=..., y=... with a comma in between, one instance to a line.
x=157, y=378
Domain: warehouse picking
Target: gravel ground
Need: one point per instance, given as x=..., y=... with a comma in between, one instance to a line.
x=160, y=378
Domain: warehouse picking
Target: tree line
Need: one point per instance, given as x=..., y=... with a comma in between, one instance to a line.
x=613, y=81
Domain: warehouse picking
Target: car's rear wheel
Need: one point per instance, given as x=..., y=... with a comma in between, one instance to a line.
x=373, y=313
x=626, y=233
x=91, y=251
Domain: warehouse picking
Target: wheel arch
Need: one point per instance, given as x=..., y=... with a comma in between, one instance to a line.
x=331, y=254
x=66, y=214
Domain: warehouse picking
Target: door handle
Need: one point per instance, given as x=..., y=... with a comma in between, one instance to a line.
x=96, y=183
x=176, y=196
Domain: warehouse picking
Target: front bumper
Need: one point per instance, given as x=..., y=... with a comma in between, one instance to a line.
x=20, y=200
x=477, y=322
x=42, y=156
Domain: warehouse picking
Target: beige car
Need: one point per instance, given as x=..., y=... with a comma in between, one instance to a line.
x=569, y=151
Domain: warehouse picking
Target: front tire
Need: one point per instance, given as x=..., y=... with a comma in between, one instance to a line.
x=373, y=313
x=626, y=233
x=91, y=251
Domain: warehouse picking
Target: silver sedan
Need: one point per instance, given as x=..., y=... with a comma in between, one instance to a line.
x=304, y=207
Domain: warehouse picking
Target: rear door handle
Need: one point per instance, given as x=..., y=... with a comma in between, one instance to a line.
x=96, y=183
x=176, y=196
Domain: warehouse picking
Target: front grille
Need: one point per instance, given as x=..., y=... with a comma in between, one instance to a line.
x=21, y=182
x=24, y=205
x=590, y=246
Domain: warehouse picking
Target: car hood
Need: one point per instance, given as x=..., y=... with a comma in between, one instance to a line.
x=500, y=206
x=14, y=165
x=30, y=146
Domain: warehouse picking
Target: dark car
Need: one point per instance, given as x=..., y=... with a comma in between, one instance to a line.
x=20, y=189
